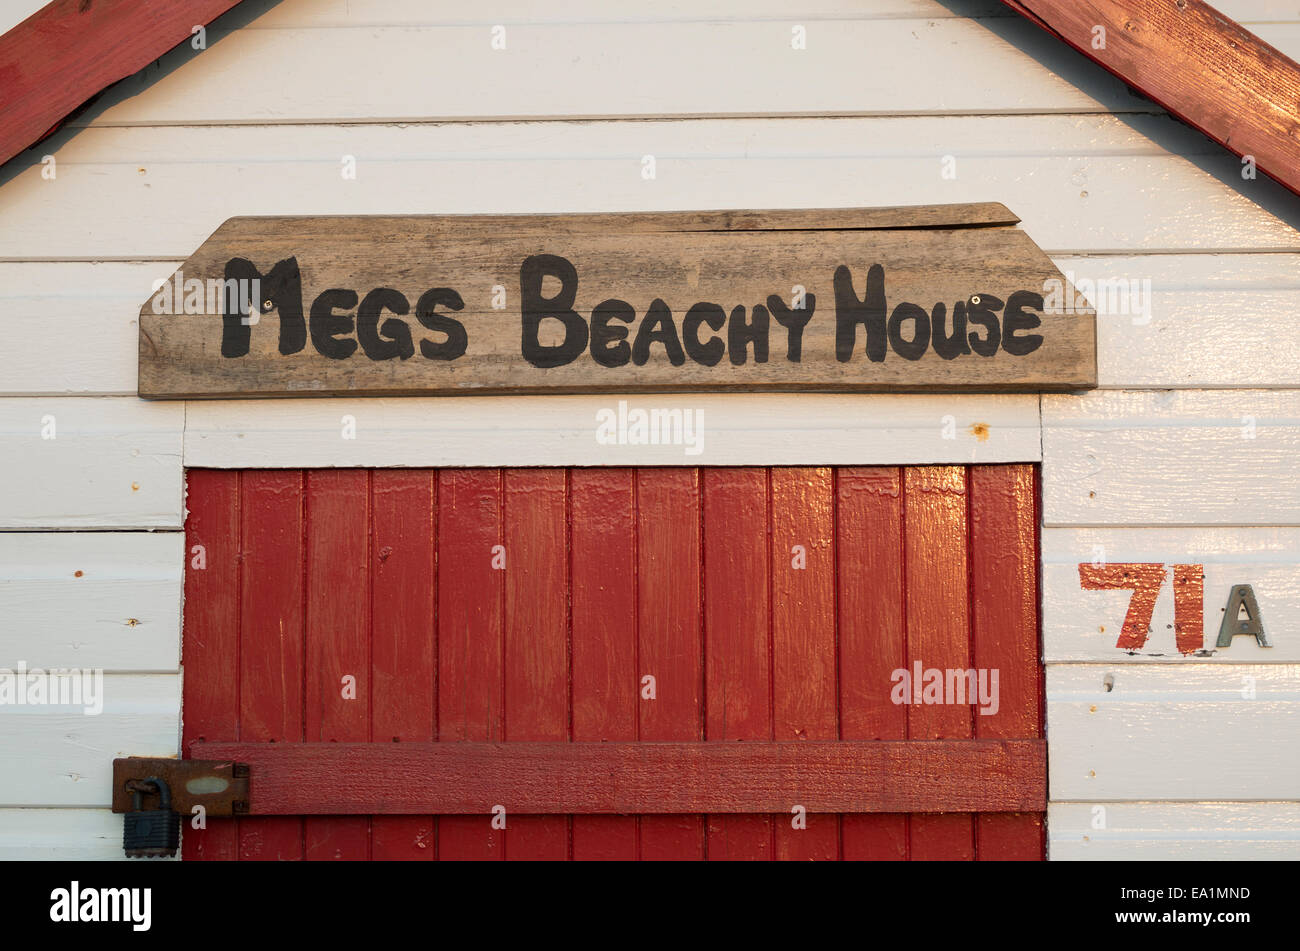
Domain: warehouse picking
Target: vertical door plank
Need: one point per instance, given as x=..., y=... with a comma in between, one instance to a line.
x=1004, y=564
x=403, y=646
x=338, y=637
x=804, y=665
x=537, y=634
x=872, y=631
x=472, y=566
x=603, y=542
x=737, y=606
x=271, y=626
x=670, y=637
x=210, y=646
x=938, y=630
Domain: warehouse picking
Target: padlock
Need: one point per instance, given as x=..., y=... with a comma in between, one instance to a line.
x=150, y=833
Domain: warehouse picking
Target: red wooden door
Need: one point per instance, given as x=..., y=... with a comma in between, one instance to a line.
x=616, y=605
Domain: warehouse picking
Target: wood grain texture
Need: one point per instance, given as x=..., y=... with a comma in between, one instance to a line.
x=211, y=642
x=536, y=645
x=1182, y=457
x=936, y=574
x=805, y=668
x=108, y=600
x=336, y=659
x=1204, y=68
x=272, y=635
x=482, y=318
x=68, y=51
x=605, y=636
x=740, y=779
x=1083, y=626
x=1005, y=634
x=554, y=594
x=471, y=636
x=670, y=644
x=1169, y=336
x=871, y=604
x=1194, y=732
x=403, y=638
x=738, y=683
x=737, y=429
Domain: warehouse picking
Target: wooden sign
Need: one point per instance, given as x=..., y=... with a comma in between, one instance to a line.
x=940, y=297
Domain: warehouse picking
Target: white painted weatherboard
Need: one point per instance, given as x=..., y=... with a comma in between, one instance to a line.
x=1083, y=625
x=72, y=325
x=114, y=462
x=108, y=600
x=737, y=429
x=1080, y=183
x=605, y=67
x=1163, y=830
x=60, y=756
x=1193, y=320
x=1192, y=732
x=1179, y=457
x=45, y=835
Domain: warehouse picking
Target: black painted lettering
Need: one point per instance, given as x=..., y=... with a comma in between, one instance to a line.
x=794, y=321
x=980, y=310
x=281, y=288
x=741, y=333
x=657, y=327
x=393, y=339
x=1015, y=319
x=326, y=326
x=869, y=312
x=426, y=312
x=535, y=308
x=706, y=353
x=949, y=347
x=914, y=348
x=609, y=346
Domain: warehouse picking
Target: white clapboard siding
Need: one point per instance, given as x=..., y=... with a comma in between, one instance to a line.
x=1194, y=732
x=61, y=756
x=1083, y=625
x=1193, y=320
x=43, y=835
x=1181, y=831
x=71, y=326
x=735, y=429
x=108, y=600
x=856, y=65
x=1080, y=183
x=1180, y=457
x=114, y=463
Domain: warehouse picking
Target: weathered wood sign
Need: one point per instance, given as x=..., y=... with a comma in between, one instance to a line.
x=942, y=297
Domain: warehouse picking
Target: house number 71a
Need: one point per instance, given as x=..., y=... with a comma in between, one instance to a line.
x=1144, y=580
